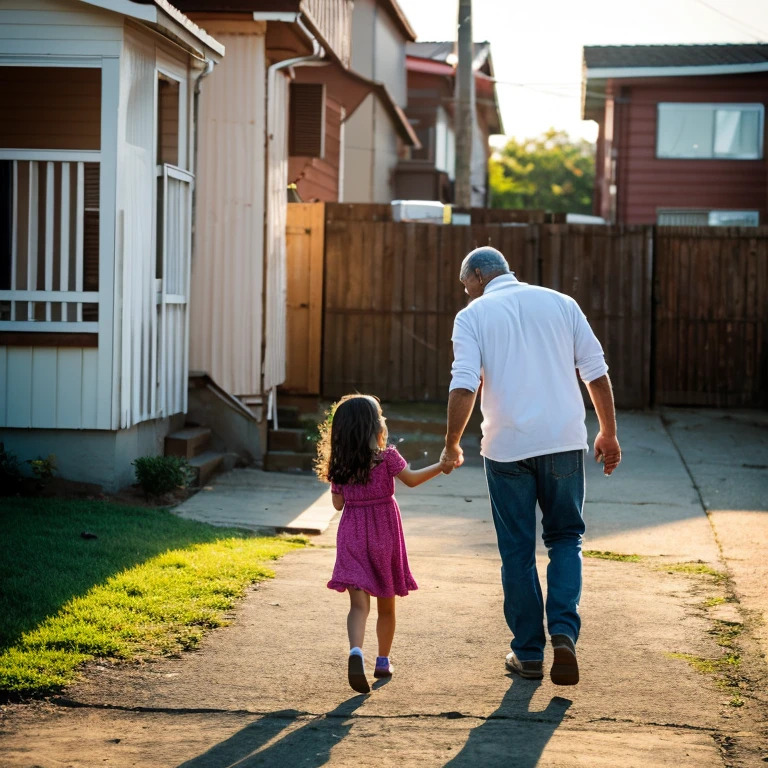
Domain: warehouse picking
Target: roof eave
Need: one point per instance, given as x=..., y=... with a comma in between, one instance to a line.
x=171, y=18
x=169, y=21
x=400, y=19
x=618, y=73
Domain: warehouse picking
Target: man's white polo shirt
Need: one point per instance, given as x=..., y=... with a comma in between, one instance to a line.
x=526, y=342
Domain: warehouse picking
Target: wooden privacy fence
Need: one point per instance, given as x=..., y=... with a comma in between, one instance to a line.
x=392, y=291
x=694, y=335
x=711, y=316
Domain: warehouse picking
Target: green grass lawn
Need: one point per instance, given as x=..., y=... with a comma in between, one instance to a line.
x=151, y=583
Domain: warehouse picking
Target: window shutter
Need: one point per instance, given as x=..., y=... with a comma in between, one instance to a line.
x=306, y=134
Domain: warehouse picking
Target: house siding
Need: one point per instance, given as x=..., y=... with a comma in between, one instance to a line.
x=50, y=27
x=646, y=183
x=48, y=387
x=378, y=48
x=226, y=308
x=317, y=178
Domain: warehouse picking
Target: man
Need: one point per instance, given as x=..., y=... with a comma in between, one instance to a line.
x=528, y=344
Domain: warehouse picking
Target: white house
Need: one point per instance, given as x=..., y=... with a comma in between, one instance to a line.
x=96, y=181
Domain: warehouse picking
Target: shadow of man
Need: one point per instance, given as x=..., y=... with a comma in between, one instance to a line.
x=306, y=747
x=513, y=736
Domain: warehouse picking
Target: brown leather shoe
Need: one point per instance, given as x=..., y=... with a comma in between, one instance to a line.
x=530, y=670
x=565, y=668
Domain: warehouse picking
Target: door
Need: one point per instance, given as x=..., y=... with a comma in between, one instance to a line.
x=305, y=245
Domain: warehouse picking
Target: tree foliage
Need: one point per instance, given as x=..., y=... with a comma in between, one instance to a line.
x=552, y=172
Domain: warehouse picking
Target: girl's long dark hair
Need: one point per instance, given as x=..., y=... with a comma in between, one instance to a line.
x=345, y=452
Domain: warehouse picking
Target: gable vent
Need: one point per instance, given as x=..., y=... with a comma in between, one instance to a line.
x=307, y=120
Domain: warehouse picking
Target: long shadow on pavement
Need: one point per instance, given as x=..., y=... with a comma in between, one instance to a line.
x=306, y=747
x=513, y=735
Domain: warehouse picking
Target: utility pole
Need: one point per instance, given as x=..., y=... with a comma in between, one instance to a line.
x=465, y=107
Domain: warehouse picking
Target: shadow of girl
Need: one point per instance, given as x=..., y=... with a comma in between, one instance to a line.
x=306, y=747
x=513, y=736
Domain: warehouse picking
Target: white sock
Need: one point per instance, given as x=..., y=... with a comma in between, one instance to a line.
x=357, y=651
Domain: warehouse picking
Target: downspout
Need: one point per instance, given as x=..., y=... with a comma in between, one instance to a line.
x=272, y=121
x=209, y=65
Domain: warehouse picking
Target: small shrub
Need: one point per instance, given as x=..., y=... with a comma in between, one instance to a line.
x=43, y=469
x=10, y=471
x=160, y=474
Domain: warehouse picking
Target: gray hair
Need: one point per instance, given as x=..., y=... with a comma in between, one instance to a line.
x=488, y=260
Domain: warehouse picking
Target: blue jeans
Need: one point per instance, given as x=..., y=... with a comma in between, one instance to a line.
x=556, y=481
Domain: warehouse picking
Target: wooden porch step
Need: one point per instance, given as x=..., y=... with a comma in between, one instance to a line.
x=290, y=439
x=288, y=416
x=188, y=442
x=307, y=404
x=288, y=461
x=204, y=465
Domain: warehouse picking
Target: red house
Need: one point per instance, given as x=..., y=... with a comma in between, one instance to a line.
x=682, y=133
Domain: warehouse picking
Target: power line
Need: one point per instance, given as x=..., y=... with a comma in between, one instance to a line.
x=744, y=25
x=560, y=95
x=533, y=88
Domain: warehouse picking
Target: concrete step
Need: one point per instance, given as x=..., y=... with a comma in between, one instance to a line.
x=288, y=461
x=187, y=442
x=204, y=465
x=290, y=439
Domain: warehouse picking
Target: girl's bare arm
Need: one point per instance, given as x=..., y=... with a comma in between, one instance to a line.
x=414, y=477
x=338, y=500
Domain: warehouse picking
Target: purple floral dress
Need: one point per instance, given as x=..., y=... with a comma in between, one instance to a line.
x=370, y=547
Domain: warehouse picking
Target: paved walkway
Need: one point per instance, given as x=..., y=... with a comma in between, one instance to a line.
x=270, y=690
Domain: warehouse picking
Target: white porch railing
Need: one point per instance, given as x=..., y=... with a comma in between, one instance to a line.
x=54, y=252
x=173, y=270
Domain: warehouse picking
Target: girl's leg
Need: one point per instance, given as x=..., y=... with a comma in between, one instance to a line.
x=359, y=607
x=385, y=624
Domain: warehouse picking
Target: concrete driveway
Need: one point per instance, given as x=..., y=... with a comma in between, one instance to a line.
x=271, y=689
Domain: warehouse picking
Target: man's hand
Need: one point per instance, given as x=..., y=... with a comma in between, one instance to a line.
x=451, y=457
x=608, y=451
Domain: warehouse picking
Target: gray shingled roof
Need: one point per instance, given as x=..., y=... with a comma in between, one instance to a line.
x=439, y=51
x=623, y=56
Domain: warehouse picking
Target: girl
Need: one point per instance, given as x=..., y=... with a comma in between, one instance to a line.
x=370, y=549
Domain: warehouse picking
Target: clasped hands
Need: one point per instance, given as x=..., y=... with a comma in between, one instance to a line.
x=451, y=457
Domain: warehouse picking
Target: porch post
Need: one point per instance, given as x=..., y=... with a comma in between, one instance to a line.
x=107, y=410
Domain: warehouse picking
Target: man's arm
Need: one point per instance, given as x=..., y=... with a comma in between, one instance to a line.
x=460, y=405
x=607, y=447
x=465, y=381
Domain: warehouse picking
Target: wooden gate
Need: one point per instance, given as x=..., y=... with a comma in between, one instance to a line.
x=711, y=316
x=304, y=302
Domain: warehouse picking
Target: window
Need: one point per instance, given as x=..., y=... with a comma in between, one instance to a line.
x=733, y=218
x=306, y=123
x=168, y=91
x=696, y=217
x=445, y=144
x=707, y=131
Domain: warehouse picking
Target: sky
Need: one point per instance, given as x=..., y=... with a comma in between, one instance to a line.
x=537, y=47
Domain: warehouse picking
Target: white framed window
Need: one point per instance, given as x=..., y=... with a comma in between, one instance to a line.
x=710, y=131
x=445, y=144
x=733, y=218
x=697, y=217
